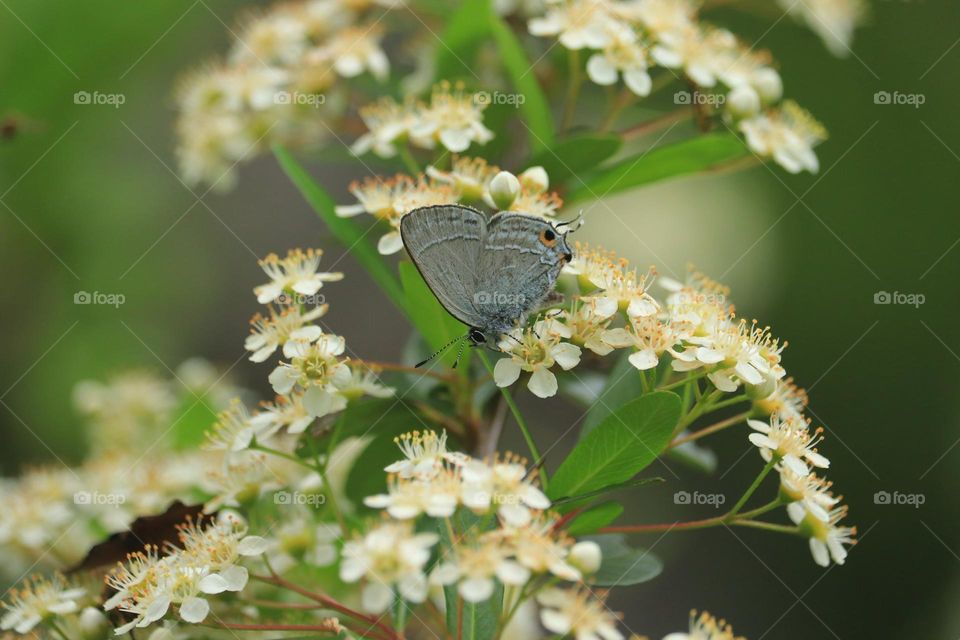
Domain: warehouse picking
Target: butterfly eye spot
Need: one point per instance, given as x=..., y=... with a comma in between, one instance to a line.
x=548, y=237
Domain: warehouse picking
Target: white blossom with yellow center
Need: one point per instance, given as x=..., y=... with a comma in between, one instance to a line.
x=296, y=273
x=536, y=350
x=788, y=135
x=790, y=441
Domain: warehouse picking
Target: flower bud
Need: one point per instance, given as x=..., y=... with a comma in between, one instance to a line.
x=762, y=391
x=93, y=624
x=586, y=556
x=768, y=84
x=535, y=179
x=504, y=189
x=743, y=102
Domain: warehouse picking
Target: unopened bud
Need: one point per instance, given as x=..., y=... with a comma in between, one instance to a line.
x=504, y=189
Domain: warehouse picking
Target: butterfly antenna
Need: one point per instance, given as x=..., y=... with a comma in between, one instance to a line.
x=459, y=353
x=579, y=220
x=441, y=350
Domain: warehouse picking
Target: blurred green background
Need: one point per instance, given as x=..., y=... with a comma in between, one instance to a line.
x=88, y=202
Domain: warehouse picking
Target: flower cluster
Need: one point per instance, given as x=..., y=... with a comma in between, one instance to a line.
x=628, y=39
x=705, y=627
x=278, y=84
x=206, y=562
x=469, y=180
x=453, y=118
x=512, y=537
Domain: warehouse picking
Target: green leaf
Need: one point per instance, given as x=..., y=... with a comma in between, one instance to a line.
x=346, y=231
x=623, y=385
x=576, y=155
x=623, y=565
x=535, y=108
x=688, y=156
x=480, y=620
x=194, y=418
x=621, y=446
x=433, y=322
x=567, y=501
x=457, y=45
x=594, y=518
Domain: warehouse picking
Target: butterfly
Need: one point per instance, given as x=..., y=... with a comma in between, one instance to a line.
x=488, y=273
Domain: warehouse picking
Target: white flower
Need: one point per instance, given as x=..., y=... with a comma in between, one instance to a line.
x=622, y=55
x=827, y=537
x=279, y=37
x=586, y=556
x=503, y=190
x=539, y=548
x=233, y=431
x=621, y=289
x=315, y=367
x=39, y=599
x=649, y=336
x=390, y=555
x=833, y=20
x=735, y=353
x=791, y=441
x=295, y=273
x=364, y=382
x=470, y=177
x=812, y=491
x=501, y=485
x=588, y=327
x=437, y=496
x=424, y=455
x=788, y=135
x=705, y=627
x=387, y=123
x=578, y=24
x=788, y=401
x=453, y=118
x=476, y=566
x=353, y=51
x=285, y=412
x=660, y=18
x=536, y=350
x=699, y=52
x=577, y=613
x=268, y=334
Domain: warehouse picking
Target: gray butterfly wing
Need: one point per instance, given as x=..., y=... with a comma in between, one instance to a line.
x=521, y=259
x=444, y=242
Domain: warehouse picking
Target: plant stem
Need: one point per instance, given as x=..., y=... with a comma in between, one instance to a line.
x=767, y=526
x=682, y=381
x=753, y=487
x=284, y=455
x=719, y=426
x=408, y=160
x=729, y=401
x=524, y=429
x=573, y=89
x=759, y=511
x=661, y=122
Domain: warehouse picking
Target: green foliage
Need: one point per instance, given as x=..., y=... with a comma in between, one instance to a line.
x=465, y=31
x=576, y=155
x=432, y=321
x=621, y=446
x=623, y=384
x=347, y=232
x=480, y=620
x=594, y=518
x=623, y=565
x=193, y=419
x=681, y=158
